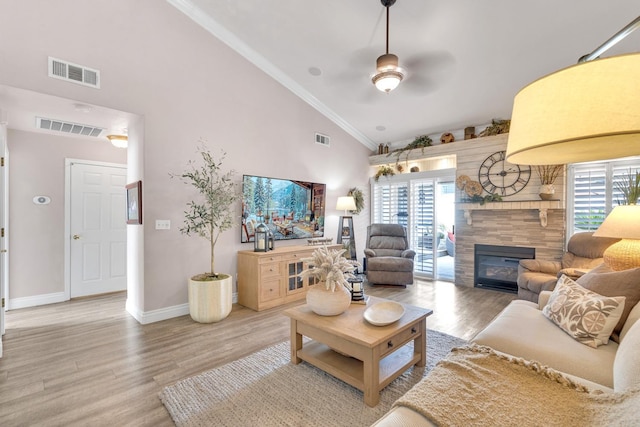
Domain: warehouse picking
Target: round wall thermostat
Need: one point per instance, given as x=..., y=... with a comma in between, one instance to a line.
x=41, y=200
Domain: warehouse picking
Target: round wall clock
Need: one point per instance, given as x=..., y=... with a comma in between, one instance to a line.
x=499, y=176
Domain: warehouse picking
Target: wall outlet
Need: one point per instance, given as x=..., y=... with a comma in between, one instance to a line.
x=163, y=224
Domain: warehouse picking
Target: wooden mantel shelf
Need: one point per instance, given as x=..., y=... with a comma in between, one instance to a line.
x=541, y=205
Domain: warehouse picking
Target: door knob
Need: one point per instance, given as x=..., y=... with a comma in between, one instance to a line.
x=76, y=237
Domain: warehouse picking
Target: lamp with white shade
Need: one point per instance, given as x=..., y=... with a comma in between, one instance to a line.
x=346, y=203
x=622, y=223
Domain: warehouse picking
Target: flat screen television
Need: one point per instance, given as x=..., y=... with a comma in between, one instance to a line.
x=290, y=209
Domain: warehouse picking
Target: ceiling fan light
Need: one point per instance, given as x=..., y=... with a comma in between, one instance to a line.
x=388, y=61
x=389, y=75
x=387, y=81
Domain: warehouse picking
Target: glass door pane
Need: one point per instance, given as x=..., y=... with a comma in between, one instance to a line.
x=445, y=214
x=423, y=233
x=426, y=207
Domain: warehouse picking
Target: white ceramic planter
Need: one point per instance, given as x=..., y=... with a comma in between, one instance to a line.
x=210, y=301
x=326, y=302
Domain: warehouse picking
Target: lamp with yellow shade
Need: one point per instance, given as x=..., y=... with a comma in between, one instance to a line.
x=586, y=112
x=623, y=223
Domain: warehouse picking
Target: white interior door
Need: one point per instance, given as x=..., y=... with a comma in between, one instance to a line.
x=98, y=246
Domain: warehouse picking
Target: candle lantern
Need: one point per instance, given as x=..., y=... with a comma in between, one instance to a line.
x=261, y=243
x=357, y=289
x=271, y=240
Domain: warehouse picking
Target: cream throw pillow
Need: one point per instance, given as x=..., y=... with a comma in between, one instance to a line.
x=585, y=315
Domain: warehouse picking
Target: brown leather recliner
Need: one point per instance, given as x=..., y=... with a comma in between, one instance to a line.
x=584, y=252
x=389, y=259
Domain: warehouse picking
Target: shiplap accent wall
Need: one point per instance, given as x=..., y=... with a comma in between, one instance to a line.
x=509, y=227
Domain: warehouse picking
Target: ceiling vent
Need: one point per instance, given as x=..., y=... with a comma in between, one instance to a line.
x=67, y=127
x=74, y=73
x=322, y=139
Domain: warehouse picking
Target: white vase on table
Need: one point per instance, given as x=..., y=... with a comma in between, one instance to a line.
x=326, y=302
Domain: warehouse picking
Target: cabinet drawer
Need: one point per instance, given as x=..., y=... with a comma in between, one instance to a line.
x=269, y=258
x=399, y=340
x=297, y=257
x=269, y=270
x=270, y=289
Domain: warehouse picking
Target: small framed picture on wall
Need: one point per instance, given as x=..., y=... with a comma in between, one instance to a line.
x=134, y=203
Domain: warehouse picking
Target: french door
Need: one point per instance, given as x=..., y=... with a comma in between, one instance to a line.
x=425, y=205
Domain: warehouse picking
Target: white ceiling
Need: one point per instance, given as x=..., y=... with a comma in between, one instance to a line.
x=466, y=59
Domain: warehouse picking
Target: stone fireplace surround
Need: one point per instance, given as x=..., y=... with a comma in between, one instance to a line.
x=508, y=227
x=509, y=223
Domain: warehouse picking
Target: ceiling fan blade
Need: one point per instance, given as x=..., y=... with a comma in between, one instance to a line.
x=418, y=85
x=428, y=71
x=369, y=96
x=364, y=59
x=430, y=62
x=375, y=37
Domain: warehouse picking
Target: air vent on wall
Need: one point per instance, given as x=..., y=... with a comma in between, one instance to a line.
x=74, y=73
x=67, y=127
x=322, y=139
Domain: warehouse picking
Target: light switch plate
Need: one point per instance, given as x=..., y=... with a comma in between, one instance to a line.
x=163, y=224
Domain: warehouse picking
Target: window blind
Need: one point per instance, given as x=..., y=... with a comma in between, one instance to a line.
x=592, y=192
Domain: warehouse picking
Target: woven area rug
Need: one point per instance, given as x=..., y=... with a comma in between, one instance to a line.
x=265, y=389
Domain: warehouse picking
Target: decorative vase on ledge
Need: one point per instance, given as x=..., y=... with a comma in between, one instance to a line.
x=547, y=191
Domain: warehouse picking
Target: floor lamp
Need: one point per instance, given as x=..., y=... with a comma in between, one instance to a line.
x=347, y=203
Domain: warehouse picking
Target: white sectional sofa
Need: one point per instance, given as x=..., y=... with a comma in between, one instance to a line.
x=522, y=330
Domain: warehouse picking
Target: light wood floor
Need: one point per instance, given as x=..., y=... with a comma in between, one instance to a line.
x=87, y=362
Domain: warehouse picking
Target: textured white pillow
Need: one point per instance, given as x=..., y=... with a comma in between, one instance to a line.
x=585, y=315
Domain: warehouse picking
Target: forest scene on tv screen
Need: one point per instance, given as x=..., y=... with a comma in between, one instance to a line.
x=290, y=209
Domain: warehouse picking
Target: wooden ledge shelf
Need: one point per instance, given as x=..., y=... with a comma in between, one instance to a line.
x=542, y=206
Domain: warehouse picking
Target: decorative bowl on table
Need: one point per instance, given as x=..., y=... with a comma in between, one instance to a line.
x=384, y=313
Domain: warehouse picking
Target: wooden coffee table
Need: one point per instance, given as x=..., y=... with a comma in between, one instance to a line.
x=365, y=356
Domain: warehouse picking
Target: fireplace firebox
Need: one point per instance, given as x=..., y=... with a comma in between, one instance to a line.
x=496, y=267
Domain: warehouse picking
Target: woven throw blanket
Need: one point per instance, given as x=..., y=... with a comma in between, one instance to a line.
x=476, y=386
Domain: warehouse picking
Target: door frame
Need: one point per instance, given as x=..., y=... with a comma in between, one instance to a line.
x=4, y=222
x=438, y=176
x=67, y=214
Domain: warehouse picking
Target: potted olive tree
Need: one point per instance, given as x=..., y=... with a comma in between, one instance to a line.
x=208, y=216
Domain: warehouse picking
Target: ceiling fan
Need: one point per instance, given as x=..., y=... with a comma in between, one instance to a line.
x=388, y=74
x=422, y=72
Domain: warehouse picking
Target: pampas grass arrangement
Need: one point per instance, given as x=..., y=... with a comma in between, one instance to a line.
x=330, y=266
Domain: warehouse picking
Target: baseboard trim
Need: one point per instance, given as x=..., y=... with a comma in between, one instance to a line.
x=35, y=300
x=146, y=317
